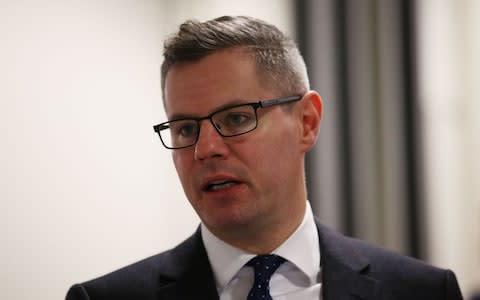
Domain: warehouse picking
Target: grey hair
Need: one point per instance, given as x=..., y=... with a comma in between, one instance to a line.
x=278, y=61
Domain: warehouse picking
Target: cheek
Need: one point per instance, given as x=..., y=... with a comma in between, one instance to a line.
x=271, y=156
x=181, y=165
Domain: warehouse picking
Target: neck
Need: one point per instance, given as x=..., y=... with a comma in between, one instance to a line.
x=264, y=237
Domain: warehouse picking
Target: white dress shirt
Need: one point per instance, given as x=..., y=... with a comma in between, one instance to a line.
x=297, y=278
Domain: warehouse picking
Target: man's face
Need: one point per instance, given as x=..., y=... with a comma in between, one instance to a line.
x=242, y=183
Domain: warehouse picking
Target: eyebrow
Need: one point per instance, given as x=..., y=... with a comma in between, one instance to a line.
x=179, y=116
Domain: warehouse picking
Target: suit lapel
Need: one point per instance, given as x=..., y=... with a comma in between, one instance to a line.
x=344, y=270
x=187, y=273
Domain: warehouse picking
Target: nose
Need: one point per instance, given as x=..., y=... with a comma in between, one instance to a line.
x=210, y=143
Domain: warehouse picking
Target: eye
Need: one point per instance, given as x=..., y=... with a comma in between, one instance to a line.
x=237, y=119
x=186, y=129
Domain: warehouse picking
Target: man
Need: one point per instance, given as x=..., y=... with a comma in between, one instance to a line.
x=241, y=119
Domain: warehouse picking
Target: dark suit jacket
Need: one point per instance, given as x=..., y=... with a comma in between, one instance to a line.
x=351, y=269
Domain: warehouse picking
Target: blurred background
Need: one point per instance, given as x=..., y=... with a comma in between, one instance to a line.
x=86, y=188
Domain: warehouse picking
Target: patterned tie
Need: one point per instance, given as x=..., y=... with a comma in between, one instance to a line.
x=265, y=266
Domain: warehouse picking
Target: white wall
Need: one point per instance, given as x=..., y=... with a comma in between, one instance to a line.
x=449, y=64
x=85, y=186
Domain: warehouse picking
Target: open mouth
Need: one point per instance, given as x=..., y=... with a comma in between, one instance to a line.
x=220, y=185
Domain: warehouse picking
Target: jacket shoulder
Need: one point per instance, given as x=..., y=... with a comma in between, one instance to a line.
x=139, y=280
x=397, y=274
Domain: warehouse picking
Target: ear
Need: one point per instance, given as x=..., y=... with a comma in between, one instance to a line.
x=312, y=110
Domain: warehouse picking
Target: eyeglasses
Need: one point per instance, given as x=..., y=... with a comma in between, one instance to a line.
x=231, y=121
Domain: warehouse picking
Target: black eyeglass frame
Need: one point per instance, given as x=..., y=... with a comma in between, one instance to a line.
x=255, y=105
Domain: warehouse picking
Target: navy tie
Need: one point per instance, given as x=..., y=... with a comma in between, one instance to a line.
x=264, y=266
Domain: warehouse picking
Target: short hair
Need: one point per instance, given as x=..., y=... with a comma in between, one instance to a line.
x=278, y=61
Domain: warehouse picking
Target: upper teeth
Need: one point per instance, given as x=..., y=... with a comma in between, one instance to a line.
x=220, y=185
x=218, y=182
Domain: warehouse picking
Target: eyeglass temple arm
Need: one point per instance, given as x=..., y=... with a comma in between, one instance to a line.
x=159, y=127
x=267, y=103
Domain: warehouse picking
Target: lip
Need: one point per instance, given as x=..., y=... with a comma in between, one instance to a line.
x=218, y=178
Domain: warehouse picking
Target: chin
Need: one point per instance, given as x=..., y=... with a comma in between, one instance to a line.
x=226, y=223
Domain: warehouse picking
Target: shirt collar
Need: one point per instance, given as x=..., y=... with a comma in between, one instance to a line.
x=301, y=249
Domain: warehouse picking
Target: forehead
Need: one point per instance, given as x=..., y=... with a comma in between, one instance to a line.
x=224, y=77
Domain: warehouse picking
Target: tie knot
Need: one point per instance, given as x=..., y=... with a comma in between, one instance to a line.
x=265, y=265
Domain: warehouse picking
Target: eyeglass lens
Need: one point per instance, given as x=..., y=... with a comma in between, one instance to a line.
x=228, y=122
